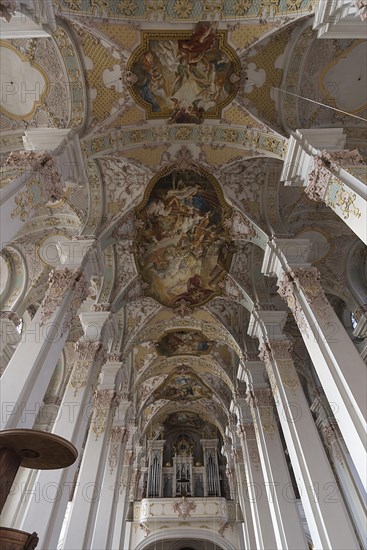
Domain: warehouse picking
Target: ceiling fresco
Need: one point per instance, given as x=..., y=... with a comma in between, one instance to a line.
x=183, y=249
x=182, y=140
x=182, y=342
x=185, y=76
x=184, y=385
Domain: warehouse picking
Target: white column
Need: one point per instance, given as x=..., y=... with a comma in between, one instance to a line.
x=330, y=348
x=27, y=19
x=124, y=509
x=327, y=517
x=353, y=491
x=360, y=316
x=9, y=336
x=33, y=180
x=227, y=452
x=283, y=505
x=79, y=530
x=261, y=516
x=109, y=496
x=336, y=177
x=242, y=495
x=29, y=371
x=340, y=19
x=45, y=499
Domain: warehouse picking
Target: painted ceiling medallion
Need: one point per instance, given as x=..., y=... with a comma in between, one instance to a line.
x=184, y=76
x=184, y=342
x=185, y=386
x=183, y=249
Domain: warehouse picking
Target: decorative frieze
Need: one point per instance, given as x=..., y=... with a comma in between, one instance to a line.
x=114, y=357
x=98, y=308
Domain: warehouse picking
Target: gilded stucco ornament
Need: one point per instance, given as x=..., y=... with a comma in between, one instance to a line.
x=325, y=185
x=87, y=353
x=237, y=455
x=184, y=507
x=102, y=403
x=278, y=352
x=309, y=282
x=7, y=9
x=334, y=439
x=240, y=227
x=10, y=316
x=118, y=436
x=44, y=184
x=59, y=283
x=361, y=5
x=246, y=431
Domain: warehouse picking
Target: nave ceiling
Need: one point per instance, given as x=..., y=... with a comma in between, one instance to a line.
x=183, y=136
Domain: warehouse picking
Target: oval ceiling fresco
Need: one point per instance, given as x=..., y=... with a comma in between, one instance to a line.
x=183, y=249
x=184, y=76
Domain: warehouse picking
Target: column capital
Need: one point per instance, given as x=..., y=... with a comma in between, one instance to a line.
x=59, y=282
x=9, y=321
x=309, y=282
x=324, y=166
x=42, y=165
x=88, y=353
x=360, y=316
x=10, y=316
x=361, y=6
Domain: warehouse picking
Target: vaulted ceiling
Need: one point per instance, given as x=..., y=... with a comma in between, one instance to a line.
x=183, y=133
